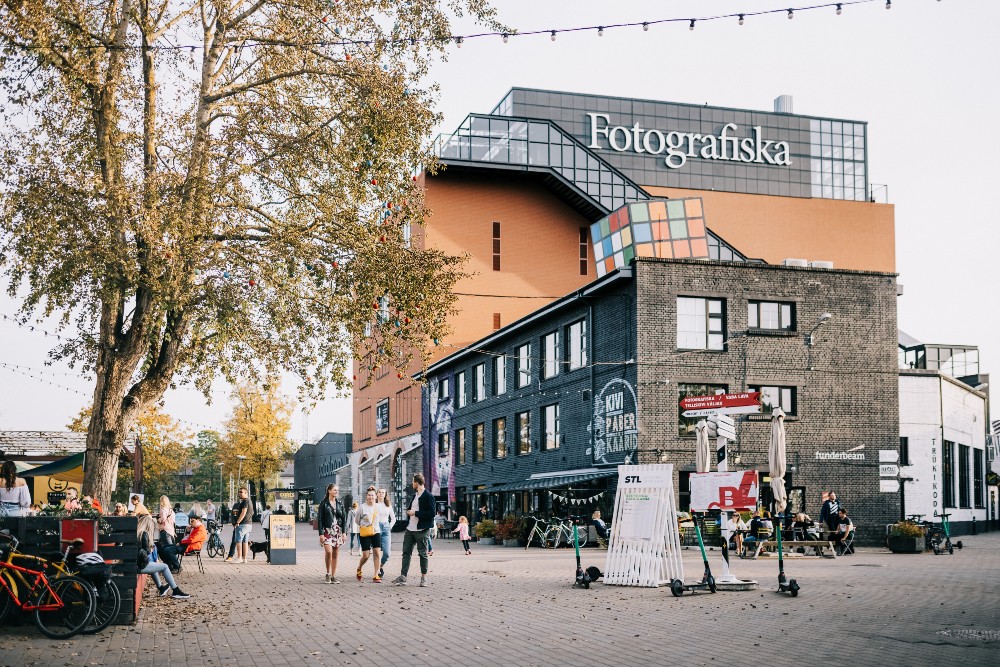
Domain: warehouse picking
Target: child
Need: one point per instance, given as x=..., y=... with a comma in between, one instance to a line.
x=463, y=534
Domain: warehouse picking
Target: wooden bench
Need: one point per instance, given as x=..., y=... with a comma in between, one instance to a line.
x=818, y=545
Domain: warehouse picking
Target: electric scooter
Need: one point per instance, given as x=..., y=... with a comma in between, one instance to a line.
x=784, y=585
x=677, y=587
x=939, y=546
x=582, y=576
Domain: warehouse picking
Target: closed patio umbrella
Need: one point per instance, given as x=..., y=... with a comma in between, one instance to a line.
x=776, y=459
x=702, y=451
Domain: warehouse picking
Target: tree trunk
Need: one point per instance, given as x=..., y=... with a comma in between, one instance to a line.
x=101, y=464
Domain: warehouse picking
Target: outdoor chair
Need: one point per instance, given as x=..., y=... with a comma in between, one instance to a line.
x=196, y=555
x=849, y=542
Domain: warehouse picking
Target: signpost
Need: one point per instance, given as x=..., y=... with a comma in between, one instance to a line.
x=282, y=539
x=742, y=403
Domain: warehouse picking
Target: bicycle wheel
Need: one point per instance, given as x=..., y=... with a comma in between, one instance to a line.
x=583, y=535
x=75, y=600
x=6, y=602
x=215, y=547
x=108, y=604
x=551, y=538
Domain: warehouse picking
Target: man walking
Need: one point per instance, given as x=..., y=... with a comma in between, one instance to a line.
x=421, y=515
x=243, y=522
x=828, y=514
x=265, y=523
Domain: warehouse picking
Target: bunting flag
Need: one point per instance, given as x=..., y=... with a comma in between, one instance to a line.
x=576, y=501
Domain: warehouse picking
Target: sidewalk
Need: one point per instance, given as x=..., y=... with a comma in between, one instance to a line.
x=509, y=606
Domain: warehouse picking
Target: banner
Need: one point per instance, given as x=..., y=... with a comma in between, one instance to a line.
x=724, y=490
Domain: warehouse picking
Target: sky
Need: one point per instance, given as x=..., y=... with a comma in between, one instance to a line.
x=923, y=75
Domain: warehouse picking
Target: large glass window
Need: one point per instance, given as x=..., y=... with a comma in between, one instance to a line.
x=550, y=354
x=500, y=374
x=948, y=473
x=551, y=423
x=578, y=345
x=523, y=432
x=479, y=442
x=524, y=365
x=979, y=457
x=964, y=490
x=772, y=397
x=700, y=323
x=500, y=438
x=460, y=446
x=479, y=383
x=685, y=425
x=771, y=315
x=460, y=396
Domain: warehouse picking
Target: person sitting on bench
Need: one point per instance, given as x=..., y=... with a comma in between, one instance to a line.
x=599, y=525
x=844, y=528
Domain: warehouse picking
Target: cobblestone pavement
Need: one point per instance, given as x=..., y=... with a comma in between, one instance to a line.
x=506, y=606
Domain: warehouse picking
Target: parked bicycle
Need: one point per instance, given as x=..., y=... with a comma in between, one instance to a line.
x=214, y=546
x=560, y=533
x=62, y=607
x=536, y=535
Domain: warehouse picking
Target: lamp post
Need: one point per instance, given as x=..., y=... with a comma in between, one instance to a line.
x=811, y=336
x=239, y=471
x=221, y=495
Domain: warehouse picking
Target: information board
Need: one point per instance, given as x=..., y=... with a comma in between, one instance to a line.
x=283, y=539
x=736, y=490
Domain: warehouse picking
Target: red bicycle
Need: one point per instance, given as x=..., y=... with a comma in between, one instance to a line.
x=60, y=607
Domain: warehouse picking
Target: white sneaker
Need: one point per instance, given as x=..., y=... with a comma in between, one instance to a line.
x=423, y=582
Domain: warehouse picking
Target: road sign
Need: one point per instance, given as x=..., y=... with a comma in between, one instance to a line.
x=742, y=403
x=722, y=426
x=888, y=470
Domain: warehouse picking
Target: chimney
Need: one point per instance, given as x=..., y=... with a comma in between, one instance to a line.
x=783, y=104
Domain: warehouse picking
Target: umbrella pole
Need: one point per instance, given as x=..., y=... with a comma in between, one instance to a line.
x=784, y=585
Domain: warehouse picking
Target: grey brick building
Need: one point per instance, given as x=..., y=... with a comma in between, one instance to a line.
x=537, y=416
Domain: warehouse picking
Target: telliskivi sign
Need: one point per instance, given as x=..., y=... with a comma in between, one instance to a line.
x=677, y=146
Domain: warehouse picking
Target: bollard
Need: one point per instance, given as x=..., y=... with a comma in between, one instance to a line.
x=973, y=525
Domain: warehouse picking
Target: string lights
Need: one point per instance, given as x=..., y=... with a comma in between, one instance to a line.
x=344, y=42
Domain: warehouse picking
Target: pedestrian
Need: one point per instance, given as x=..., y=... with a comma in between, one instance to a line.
x=72, y=499
x=369, y=535
x=165, y=519
x=265, y=523
x=196, y=511
x=352, y=524
x=387, y=521
x=139, y=508
x=828, y=513
x=421, y=515
x=463, y=534
x=231, y=516
x=15, y=499
x=244, y=524
x=209, y=510
x=331, y=531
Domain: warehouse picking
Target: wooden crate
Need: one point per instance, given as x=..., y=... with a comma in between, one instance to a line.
x=39, y=536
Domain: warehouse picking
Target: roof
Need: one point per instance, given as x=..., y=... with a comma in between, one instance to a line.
x=906, y=341
x=42, y=443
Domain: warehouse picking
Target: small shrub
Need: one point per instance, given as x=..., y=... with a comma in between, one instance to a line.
x=507, y=528
x=486, y=528
x=906, y=529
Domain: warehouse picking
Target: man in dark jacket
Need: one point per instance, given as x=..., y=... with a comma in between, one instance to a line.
x=421, y=515
x=828, y=513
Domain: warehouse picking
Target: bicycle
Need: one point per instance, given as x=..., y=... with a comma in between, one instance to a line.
x=92, y=568
x=214, y=545
x=62, y=606
x=939, y=539
x=537, y=532
x=561, y=532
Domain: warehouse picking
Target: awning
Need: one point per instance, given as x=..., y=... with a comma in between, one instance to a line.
x=69, y=469
x=551, y=482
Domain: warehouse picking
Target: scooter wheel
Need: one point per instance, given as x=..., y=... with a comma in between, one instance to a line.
x=959, y=544
x=677, y=588
x=951, y=550
x=793, y=588
x=937, y=551
x=711, y=583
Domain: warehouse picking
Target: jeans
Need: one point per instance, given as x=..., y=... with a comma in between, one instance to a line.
x=243, y=532
x=159, y=568
x=169, y=555
x=386, y=541
x=232, y=544
x=420, y=539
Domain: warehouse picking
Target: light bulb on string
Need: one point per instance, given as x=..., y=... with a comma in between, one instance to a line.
x=741, y=19
x=506, y=38
x=691, y=27
x=888, y=4
x=645, y=27
x=839, y=9
x=791, y=14
x=552, y=35
x=600, y=31
x=458, y=42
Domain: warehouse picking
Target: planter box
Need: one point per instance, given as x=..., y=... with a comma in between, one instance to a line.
x=487, y=541
x=512, y=543
x=906, y=545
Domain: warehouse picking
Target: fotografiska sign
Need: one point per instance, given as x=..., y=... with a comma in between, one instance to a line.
x=679, y=146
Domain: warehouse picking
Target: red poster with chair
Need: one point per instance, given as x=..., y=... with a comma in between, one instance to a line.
x=85, y=529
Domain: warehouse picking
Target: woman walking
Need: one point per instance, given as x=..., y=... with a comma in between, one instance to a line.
x=331, y=531
x=352, y=524
x=386, y=522
x=368, y=527
x=166, y=522
x=14, y=497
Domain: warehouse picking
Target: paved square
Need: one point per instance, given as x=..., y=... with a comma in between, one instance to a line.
x=508, y=606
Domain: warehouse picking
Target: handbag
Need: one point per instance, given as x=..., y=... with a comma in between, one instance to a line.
x=369, y=530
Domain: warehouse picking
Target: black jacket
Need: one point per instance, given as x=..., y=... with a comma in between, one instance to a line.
x=330, y=513
x=425, y=511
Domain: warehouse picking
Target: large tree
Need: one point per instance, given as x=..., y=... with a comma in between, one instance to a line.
x=224, y=187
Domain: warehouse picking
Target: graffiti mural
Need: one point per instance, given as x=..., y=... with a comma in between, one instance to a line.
x=616, y=428
x=439, y=468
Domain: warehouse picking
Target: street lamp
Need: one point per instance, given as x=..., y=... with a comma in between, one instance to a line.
x=811, y=336
x=221, y=496
x=239, y=472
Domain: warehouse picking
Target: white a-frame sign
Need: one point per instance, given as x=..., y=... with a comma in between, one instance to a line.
x=645, y=546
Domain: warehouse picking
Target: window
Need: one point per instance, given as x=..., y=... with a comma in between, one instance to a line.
x=366, y=423
x=776, y=397
x=947, y=473
x=685, y=425
x=460, y=446
x=904, y=451
x=383, y=309
x=382, y=416
x=700, y=323
x=479, y=380
x=496, y=246
x=479, y=442
x=577, y=345
x=550, y=355
x=444, y=444
x=963, y=477
x=771, y=315
x=407, y=234
x=404, y=407
x=979, y=456
x=500, y=375
x=500, y=438
x=460, y=397
x=524, y=365
x=496, y=321
x=444, y=389
x=524, y=433
x=584, y=258
x=551, y=423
